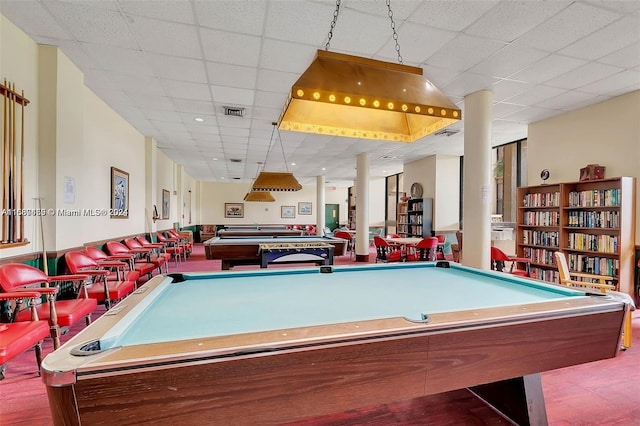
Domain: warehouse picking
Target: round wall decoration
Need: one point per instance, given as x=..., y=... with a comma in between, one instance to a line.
x=416, y=190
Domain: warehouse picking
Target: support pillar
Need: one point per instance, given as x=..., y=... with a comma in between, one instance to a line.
x=478, y=108
x=320, y=202
x=362, y=207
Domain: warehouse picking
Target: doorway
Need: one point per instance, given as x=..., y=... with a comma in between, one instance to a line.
x=331, y=216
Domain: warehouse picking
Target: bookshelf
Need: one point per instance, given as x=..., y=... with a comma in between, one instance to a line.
x=419, y=217
x=402, y=222
x=591, y=222
x=351, y=218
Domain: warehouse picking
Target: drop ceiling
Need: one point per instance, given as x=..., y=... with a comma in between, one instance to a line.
x=162, y=64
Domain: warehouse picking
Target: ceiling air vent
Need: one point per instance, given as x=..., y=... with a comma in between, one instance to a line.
x=235, y=160
x=447, y=132
x=234, y=111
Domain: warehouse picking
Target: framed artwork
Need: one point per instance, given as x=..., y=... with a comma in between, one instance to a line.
x=287, y=212
x=166, y=203
x=304, y=208
x=119, y=194
x=233, y=209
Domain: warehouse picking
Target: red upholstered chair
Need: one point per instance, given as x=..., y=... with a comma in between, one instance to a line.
x=386, y=252
x=100, y=289
x=188, y=247
x=499, y=260
x=17, y=337
x=442, y=239
x=153, y=253
x=61, y=314
x=159, y=248
x=121, y=266
x=424, y=250
x=141, y=263
x=346, y=236
x=174, y=246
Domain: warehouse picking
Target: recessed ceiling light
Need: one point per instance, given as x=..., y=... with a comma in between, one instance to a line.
x=324, y=168
x=293, y=164
x=215, y=158
x=199, y=120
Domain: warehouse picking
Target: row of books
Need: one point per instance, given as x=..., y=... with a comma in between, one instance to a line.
x=550, y=275
x=595, y=198
x=541, y=218
x=541, y=238
x=415, y=230
x=415, y=219
x=542, y=256
x=594, y=264
x=601, y=243
x=418, y=206
x=547, y=199
x=590, y=219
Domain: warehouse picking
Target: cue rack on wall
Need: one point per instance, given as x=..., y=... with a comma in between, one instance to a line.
x=12, y=155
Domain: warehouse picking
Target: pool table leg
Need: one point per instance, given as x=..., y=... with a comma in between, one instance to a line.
x=520, y=399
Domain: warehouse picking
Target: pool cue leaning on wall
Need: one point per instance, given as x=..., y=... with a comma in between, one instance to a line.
x=12, y=165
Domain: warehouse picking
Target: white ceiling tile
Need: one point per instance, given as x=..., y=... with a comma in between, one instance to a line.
x=615, y=36
x=138, y=84
x=233, y=131
x=167, y=38
x=151, y=103
x=34, y=18
x=186, y=90
x=565, y=100
x=536, y=95
x=532, y=114
x=230, y=48
x=463, y=52
x=425, y=41
x=505, y=89
x=167, y=126
x=231, y=75
x=206, y=137
x=573, y=23
x=302, y=22
x=451, y=15
x=582, y=76
x=196, y=107
x=269, y=99
x=94, y=24
x=508, y=20
x=547, y=68
x=182, y=69
x=508, y=61
x=231, y=15
x=226, y=122
x=232, y=96
x=503, y=109
x=359, y=32
x=117, y=99
x=123, y=61
x=99, y=79
x=276, y=81
x=471, y=83
x=628, y=57
x=286, y=56
x=168, y=116
x=613, y=84
x=166, y=10
x=624, y=6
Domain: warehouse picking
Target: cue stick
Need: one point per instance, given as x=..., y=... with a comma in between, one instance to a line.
x=14, y=183
x=4, y=160
x=22, y=167
x=9, y=164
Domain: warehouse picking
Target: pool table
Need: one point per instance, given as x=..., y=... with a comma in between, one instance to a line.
x=246, y=251
x=271, y=346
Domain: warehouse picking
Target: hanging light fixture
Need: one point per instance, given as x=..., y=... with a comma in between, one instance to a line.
x=352, y=96
x=259, y=196
x=276, y=181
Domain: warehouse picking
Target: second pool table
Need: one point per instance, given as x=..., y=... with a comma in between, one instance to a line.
x=280, y=345
x=246, y=251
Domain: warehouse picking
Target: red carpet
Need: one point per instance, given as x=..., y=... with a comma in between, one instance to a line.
x=600, y=393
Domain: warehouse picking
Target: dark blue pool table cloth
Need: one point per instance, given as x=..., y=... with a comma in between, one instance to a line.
x=279, y=345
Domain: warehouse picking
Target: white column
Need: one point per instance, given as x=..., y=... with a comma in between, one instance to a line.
x=362, y=207
x=477, y=180
x=320, y=202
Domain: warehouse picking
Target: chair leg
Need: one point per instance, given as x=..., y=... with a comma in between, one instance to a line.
x=39, y=355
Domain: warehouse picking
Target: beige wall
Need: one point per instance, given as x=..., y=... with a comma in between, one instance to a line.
x=607, y=133
x=214, y=195
x=19, y=65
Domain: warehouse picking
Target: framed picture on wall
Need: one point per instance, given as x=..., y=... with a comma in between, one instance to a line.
x=119, y=194
x=304, y=207
x=287, y=212
x=166, y=203
x=233, y=209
